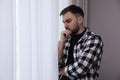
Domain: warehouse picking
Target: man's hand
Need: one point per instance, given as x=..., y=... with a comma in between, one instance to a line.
x=65, y=35
x=61, y=72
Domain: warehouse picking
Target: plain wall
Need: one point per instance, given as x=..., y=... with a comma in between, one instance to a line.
x=104, y=19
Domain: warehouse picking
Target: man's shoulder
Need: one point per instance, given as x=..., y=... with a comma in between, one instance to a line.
x=91, y=34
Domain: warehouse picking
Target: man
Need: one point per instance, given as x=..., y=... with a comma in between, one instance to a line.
x=79, y=50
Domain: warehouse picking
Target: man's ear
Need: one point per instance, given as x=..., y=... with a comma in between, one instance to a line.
x=80, y=19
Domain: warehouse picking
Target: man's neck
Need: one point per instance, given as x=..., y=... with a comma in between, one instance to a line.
x=81, y=30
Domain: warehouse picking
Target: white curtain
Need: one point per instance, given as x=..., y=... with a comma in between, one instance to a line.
x=6, y=40
x=36, y=39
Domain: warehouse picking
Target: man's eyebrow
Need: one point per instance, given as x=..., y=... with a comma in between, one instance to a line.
x=67, y=20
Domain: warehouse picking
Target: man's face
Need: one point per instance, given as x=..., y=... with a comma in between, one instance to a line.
x=71, y=22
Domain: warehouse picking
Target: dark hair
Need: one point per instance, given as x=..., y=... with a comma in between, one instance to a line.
x=73, y=9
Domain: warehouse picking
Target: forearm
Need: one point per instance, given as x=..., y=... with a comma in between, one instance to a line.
x=60, y=50
x=60, y=53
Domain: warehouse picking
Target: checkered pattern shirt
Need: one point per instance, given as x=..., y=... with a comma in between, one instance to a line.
x=87, y=55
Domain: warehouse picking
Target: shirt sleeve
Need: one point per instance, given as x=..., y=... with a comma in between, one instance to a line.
x=90, y=54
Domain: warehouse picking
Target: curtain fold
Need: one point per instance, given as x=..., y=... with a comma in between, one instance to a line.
x=37, y=27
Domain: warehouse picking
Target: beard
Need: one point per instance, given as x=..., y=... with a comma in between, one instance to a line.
x=76, y=29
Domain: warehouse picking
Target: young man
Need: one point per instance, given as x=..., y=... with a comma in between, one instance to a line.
x=79, y=50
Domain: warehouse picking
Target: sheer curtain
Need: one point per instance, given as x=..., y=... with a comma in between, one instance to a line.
x=6, y=40
x=36, y=39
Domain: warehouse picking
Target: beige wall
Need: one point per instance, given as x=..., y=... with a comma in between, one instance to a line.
x=104, y=18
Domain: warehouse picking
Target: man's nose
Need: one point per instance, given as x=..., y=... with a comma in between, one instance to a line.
x=66, y=26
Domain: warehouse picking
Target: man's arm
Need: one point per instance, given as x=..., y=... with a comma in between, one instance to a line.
x=63, y=38
x=60, y=49
x=60, y=53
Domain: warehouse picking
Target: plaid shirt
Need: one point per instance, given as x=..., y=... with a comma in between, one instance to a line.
x=87, y=55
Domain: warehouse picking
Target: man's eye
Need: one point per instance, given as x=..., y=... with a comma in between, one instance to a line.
x=68, y=21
